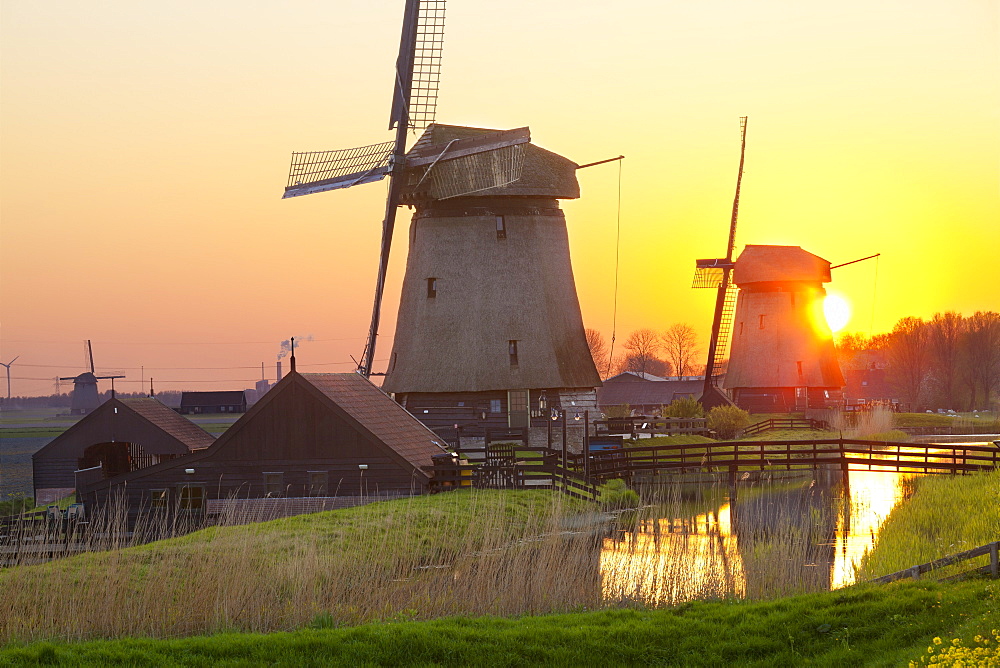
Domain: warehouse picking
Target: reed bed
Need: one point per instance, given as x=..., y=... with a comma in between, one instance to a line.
x=467, y=553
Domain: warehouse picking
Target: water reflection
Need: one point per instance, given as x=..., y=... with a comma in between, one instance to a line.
x=785, y=533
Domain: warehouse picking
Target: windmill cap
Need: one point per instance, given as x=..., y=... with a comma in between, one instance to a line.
x=778, y=264
x=541, y=173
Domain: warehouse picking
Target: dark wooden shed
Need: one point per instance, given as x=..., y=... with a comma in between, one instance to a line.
x=225, y=401
x=312, y=436
x=124, y=434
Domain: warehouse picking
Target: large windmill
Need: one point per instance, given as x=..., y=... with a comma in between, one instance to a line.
x=85, y=395
x=716, y=273
x=414, y=104
x=489, y=329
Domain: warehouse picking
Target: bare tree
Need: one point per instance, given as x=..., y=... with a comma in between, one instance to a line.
x=641, y=348
x=909, y=359
x=680, y=345
x=598, y=351
x=654, y=366
x=980, y=366
x=945, y=334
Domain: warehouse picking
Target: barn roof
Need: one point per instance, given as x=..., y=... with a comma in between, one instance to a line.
x=171, y=422
x=765, y=264
x=620, y=391
x=543, y=174
x=374, y=410
x=219, y=398
x=157, y=428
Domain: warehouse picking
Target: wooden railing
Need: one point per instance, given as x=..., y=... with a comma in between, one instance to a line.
x=519, y=470
x=848, y=454
x=784, y=423
x=993, y=568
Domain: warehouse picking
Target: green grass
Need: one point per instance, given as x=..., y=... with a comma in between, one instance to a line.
x=32, y=432
x=863, y=626
x=945, y=515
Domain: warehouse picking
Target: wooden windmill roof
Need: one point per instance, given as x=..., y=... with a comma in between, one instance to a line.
x=768, y=264
x=544, y=173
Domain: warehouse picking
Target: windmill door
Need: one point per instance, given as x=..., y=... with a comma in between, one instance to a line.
x=517, y=409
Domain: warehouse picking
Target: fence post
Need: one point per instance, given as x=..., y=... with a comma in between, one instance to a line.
x=586, y=445
x=994, y=559
x=915, y=572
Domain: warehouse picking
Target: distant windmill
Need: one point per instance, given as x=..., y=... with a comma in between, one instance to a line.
x=465, y=164
x=716, y=273
x=85, y=395
x=7, y=366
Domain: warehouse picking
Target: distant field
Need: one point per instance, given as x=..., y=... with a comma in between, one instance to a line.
x=15, y=462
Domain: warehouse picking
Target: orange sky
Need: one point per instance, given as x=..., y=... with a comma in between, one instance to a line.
x=145, y=146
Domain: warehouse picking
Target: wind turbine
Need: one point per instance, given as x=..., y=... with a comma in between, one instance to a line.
x=7, y=366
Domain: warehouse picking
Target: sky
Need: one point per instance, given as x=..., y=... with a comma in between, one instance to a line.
x=144, y=149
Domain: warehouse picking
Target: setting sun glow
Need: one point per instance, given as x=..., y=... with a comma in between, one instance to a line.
x=837, y=312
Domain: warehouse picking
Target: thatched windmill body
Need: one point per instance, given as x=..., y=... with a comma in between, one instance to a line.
x=489, y=328
x=489, y=316
x=782, y=356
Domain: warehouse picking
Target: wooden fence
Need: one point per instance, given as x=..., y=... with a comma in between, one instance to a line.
x=846, y=454
x=785, y=423
x=993, y=568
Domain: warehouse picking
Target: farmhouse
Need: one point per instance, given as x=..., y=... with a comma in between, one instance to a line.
x=228, y=401
x=315, y=441
x=120, y=435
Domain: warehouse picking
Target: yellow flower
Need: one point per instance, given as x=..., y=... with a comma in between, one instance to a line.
x=937, y=641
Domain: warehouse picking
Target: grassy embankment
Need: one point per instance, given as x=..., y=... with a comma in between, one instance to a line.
x=864, y=625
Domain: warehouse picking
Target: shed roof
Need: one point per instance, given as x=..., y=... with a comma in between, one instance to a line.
x=157, y=428
x=658, y=393
x=762, y=264
x=374, y=410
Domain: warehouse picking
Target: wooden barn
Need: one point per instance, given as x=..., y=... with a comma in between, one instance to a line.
x=489, y=333
x=313, y=436
x=121, y=435
x=226, y=401
x=782, y=356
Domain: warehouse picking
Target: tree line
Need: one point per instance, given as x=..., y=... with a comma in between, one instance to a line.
x=950, y=361
x=670, y=352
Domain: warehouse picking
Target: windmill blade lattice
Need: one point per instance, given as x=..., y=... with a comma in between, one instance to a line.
x=319, y=171
x=425, y=70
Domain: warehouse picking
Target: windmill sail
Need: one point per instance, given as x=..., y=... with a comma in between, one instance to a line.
x=319, y=171
x=715, y=273
x=418, y=67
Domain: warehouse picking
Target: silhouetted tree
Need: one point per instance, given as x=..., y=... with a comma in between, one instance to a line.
x=598, y=351
x=680, y=345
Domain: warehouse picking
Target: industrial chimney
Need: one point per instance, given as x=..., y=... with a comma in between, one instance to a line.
x=278, y=373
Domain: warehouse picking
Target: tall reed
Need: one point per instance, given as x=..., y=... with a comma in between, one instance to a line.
x=472, y=552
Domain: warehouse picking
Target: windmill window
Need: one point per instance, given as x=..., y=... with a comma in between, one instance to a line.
x=273, y=484
x=432, y=288
x=501, y=228
x=761, y=321
x=495, y=406
x=800, y=392
x=741, y=329
x=799, y=365
x=512, y=352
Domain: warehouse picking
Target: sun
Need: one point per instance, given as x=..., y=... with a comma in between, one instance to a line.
x=837, y=312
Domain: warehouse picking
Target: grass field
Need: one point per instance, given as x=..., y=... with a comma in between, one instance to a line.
x=864, y=626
